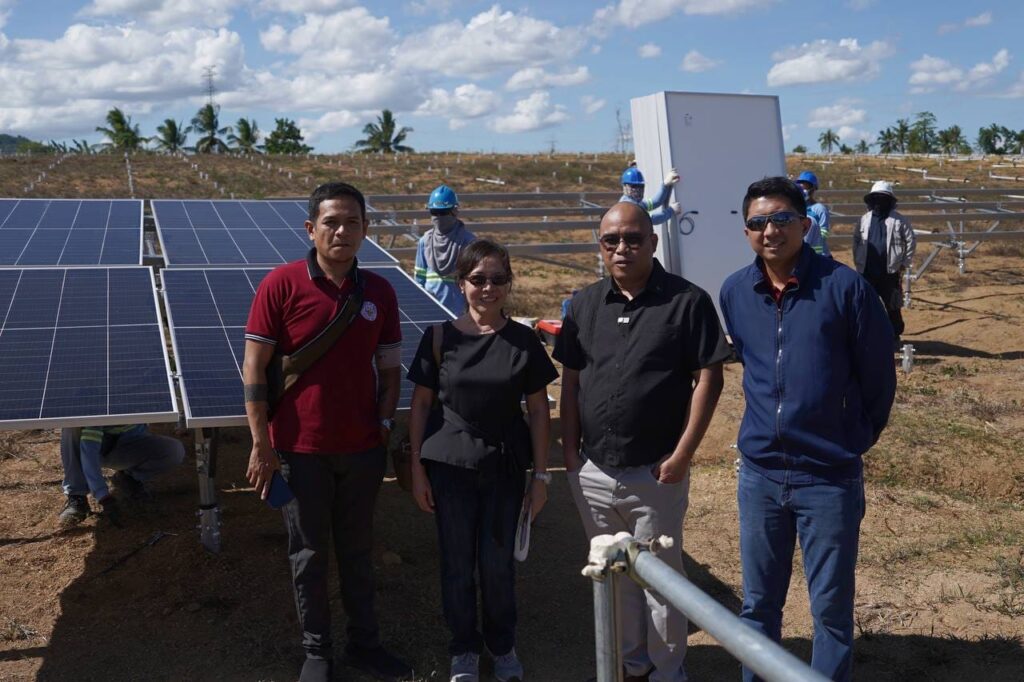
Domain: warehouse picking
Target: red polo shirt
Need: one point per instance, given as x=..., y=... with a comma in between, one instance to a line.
x=332, y=408
x=778, y=293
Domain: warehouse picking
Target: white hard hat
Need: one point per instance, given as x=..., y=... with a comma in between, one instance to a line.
x=881, y=187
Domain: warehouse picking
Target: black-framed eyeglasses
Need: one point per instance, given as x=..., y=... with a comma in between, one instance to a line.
x=633, y=240
x=783, y=219
x=480, y=280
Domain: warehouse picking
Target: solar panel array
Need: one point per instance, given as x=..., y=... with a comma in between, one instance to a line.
x=207, y=310
x=82, y=346
x=41, y=232
x=240, y=233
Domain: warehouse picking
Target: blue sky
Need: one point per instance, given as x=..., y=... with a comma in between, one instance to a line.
x=469, y=75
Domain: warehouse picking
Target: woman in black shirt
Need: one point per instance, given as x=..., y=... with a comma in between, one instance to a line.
x=468, y=471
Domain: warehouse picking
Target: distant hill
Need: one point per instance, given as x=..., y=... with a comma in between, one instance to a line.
x=9, y=143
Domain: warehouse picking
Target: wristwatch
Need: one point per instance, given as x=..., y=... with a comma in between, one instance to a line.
x=542, y=476
x=387, y=423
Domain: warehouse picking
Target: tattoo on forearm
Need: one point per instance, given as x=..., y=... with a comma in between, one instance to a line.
x=255, y=393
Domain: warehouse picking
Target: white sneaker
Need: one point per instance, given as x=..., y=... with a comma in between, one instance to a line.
x=508, y=668
x=466, y=668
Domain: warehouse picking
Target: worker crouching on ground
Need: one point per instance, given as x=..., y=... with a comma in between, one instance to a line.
x=437, y=251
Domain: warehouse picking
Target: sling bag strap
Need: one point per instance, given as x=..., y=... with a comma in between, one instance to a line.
x=285, y=370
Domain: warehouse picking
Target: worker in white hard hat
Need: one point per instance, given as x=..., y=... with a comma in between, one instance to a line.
x=883, y=247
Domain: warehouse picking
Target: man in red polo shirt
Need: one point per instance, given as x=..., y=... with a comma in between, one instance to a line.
x=329, y=430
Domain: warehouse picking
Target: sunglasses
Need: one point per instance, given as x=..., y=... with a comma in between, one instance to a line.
x=781, y=219
x=633, y=240
x=481, y=280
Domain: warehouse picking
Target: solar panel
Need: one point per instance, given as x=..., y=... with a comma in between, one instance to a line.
x=207, y=309
x=67, y=232
x=240, y=233
x=82, y=347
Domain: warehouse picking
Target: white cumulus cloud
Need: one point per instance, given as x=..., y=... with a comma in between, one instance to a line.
x=649, y=51
x=532, y=113
x=695, y=62
x=347, y=41
x=165, y=14
x=828, y=61
x=850, y=135
x=464, y=102
x=331, y=122
x=842, y=113
x=490, y=42
x=983, y=19
x=303, y=6
x=634, y=13
x=932, y=73
x=534, y=77
x=592, y=105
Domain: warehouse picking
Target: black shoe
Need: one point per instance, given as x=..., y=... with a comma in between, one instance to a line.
x=377, y=662
x=75, y=510
x=111, y=511
x=317, y=670
x=130, y=488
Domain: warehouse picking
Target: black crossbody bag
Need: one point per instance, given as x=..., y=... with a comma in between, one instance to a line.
x=284, y=370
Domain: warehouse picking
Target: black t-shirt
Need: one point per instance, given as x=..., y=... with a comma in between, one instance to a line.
x=636, y=359
x=483, y=378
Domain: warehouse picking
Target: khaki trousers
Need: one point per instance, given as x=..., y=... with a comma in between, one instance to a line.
x=614, y=499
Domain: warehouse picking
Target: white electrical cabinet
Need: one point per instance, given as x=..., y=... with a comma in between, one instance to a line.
x=719, y=143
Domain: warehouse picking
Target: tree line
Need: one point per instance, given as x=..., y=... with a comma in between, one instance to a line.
x=923, y=136
x=122, y=135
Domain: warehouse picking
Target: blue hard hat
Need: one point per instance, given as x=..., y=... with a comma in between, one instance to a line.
x=442, y=197
x=809, y=177
x=632, y=176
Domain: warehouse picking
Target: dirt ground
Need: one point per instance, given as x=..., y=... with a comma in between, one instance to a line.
x=940, y=580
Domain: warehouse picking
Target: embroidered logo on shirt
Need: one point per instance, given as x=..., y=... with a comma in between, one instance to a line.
x=369, y=311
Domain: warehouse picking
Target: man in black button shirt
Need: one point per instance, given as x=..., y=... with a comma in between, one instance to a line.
x=643, y=352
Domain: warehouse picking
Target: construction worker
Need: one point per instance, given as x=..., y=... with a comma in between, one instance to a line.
x=659, y=207
x=439, y=249
x=818, y=212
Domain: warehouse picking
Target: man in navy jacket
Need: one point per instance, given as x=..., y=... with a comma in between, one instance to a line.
x=819, y=381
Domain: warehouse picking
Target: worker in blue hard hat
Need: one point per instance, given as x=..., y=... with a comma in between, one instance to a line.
x=818, y=212
x=439, y=248
x=659, y=207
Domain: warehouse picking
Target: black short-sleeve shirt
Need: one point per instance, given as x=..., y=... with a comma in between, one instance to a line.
x=636, y=359
x=483, y=378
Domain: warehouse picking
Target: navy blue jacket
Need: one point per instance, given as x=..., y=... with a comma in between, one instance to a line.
x=818, y=372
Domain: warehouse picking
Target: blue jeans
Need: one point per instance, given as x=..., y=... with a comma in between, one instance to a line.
x=826, y=518
x=468, y=509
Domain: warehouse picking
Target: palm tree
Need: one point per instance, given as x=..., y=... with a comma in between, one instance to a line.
x=81, y=147
x=171, y=136
x=382, y=136
x=902, y=132
x=887, y=142
x=827, y=140
x=206, y=122
x=121, y=134
x=247, y=137
x=1015, y=143
x=862, y=147
x=951, y=140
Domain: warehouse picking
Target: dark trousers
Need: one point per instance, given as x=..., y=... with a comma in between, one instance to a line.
x=469, y=508
x=334, y=495
x=890, y=290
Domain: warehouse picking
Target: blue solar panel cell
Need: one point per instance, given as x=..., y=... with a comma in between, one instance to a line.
x=70, y=232
x=207, y=310
x=81, y=346
x=232, y=233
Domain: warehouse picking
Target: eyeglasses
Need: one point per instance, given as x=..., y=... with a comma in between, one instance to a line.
x=633, y=240
x=499, y=280
x=781, y=219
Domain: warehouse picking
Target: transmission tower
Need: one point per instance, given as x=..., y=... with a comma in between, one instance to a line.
x=624, y=134
x=209, y=73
